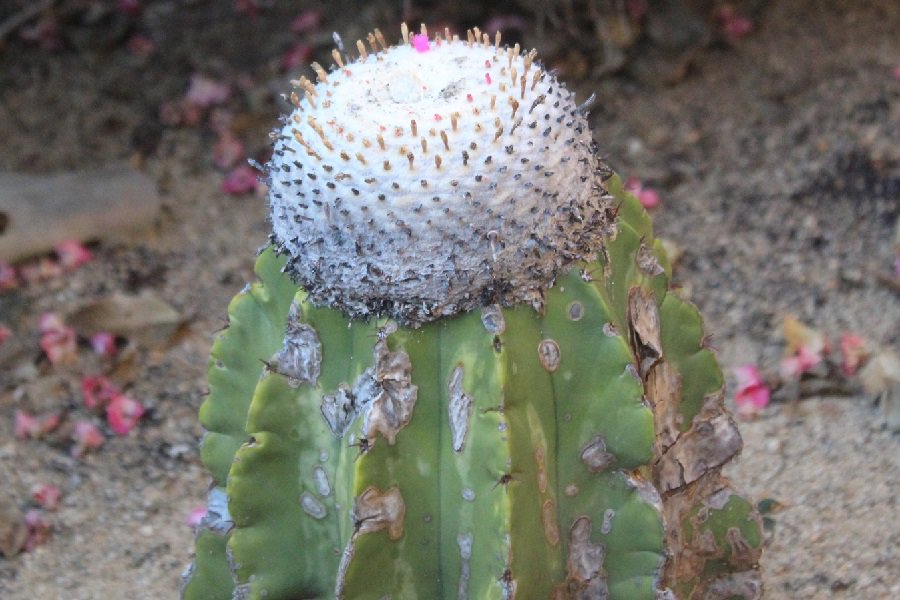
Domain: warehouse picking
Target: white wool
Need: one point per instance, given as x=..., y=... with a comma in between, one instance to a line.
x=420, y=183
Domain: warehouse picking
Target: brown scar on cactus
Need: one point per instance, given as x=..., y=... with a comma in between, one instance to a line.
x=584, y=565
x=595, y=457
x=459, y=408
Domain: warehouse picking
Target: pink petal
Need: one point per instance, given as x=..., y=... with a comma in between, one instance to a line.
x=734, y=25
x=420, y=43
x=5, y=333
x=241, y=180
x=38, y=528
x=86, y=436
x=45, y=33
x=747, y=376
x=104, y=344
x=249, y=8
x=853, y=353
x=756, y=396
x=306, y=20
x=297, y=55
x=649, y=198
x=72, y=254
x=132, y=8
x=49, y=422
x=27, y=425
x=220, y=119
x=633, y=185
x=636, y=9
x=97, y=391
x=751, y=400
x=59, y=345
x=8, y=277
x=205, y=92
x=228, y=150
x=196, y=515
x=738, y=27
x=48, y=496
x=123, y=413
x=50, y=321
x=40, y=270
x=140, y=45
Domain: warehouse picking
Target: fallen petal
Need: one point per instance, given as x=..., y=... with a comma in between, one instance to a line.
x=195, y=516
x=60, y=346
x=306, y=20
x=123, y=413
x=241, y=180
x=86, y=436
x=50, y=321
x=296, y=56
x=26, y=425
x=71, y=254
x=747, y=376
x=205, y=91
x=97, y=391
x=140, y=45
x=798, y=336
x=104, y=344
x=39, y=528
x=649, y=198
x=8, y=277
x=853, y=353
x=46, y=495
x=132, y=8
x=228, y=150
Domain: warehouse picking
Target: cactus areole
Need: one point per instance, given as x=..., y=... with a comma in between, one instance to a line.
x=462, y=373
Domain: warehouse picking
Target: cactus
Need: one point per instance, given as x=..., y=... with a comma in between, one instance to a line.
x=537, y=418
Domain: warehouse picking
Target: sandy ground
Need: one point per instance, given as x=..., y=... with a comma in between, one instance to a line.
x=777, y=160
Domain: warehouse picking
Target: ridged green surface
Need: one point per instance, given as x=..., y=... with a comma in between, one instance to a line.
x=483, y=520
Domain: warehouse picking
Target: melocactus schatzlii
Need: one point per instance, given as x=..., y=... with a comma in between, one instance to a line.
x=433, y=176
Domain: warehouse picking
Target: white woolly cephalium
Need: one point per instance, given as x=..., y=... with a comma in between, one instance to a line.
x=431, y=177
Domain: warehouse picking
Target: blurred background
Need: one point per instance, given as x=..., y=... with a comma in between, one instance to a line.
x=763, y=136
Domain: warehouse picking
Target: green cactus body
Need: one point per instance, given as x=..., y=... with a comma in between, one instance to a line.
x=568, y=452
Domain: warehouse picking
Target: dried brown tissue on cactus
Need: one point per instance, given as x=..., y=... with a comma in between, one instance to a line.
x=477, y=383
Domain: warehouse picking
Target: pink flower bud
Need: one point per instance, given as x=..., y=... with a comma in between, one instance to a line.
x=420, y=43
